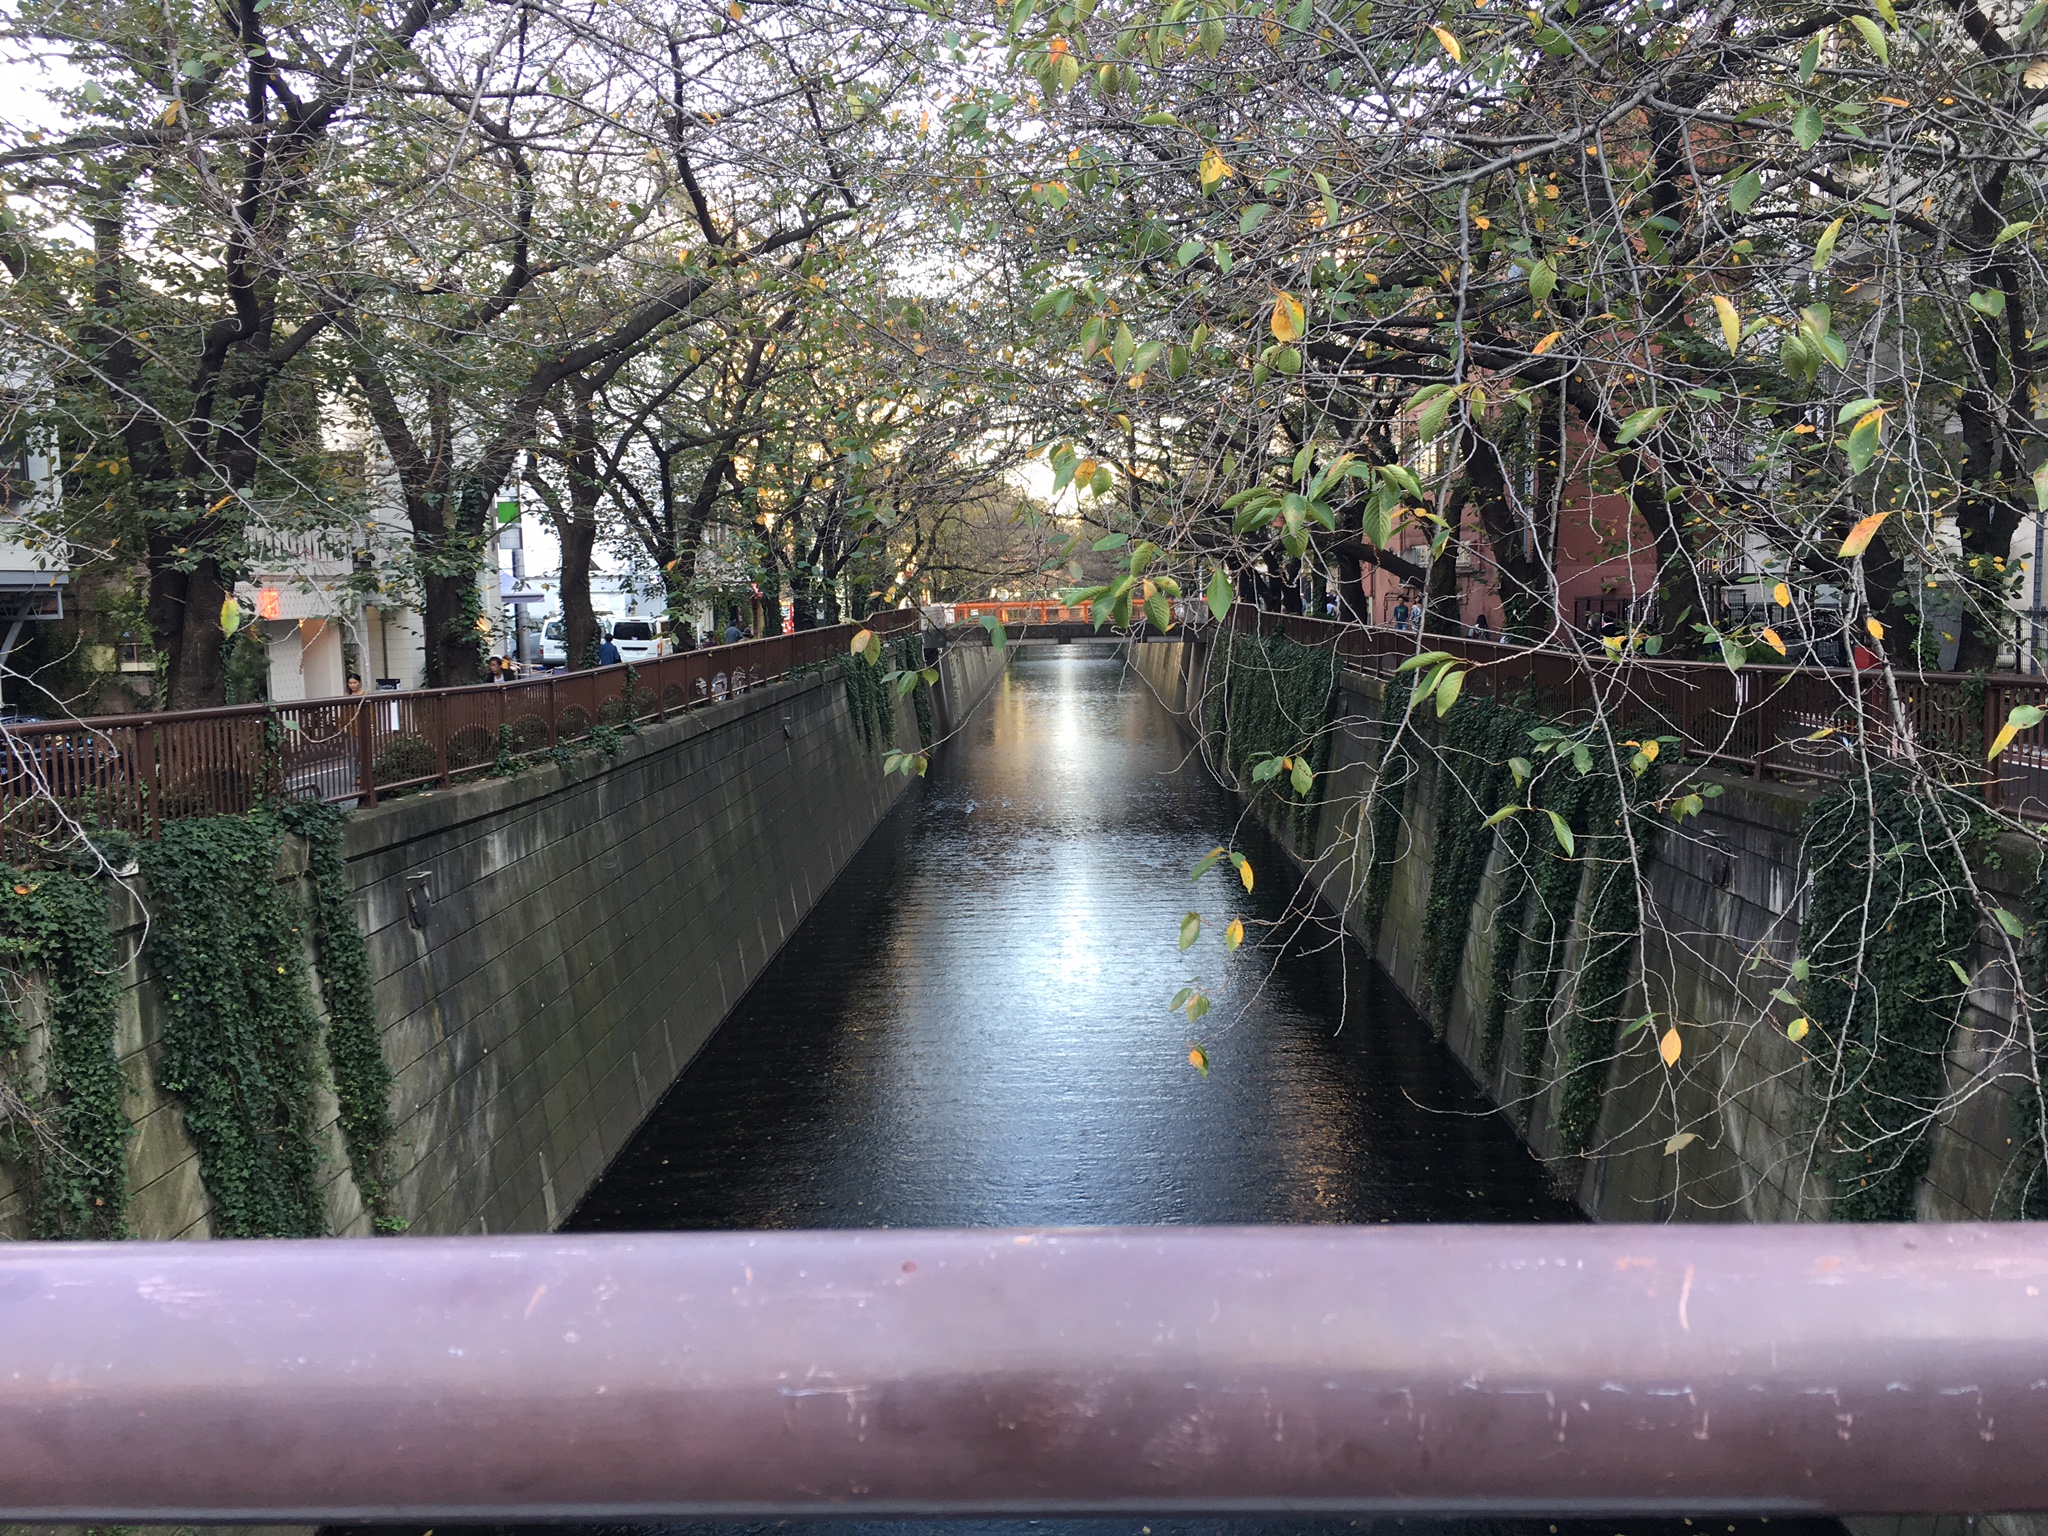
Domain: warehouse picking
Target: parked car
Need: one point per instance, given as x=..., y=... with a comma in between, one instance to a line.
x=640, y=639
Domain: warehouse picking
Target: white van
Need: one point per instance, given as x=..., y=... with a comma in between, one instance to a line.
x=641, y=639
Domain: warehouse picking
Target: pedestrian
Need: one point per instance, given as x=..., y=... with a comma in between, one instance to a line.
x=1401, y=611
x=355, y=684
x=734, y=634
x=497, y=669
x=1480, y=629
x=607, y=653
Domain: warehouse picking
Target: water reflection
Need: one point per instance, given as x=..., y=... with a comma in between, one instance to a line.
x=972, y=1029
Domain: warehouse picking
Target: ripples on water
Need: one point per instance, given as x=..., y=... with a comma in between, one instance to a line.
x=971, y=1030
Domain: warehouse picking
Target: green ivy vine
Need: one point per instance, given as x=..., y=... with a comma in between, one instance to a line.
x=1270, y=697
x=355, y=1049
x=910, y=658
x=1385, y=805
x=1473, y=781
x=76, y=1154
x=869, y=699
x=239, y=1024
x=1886, y=927
x=2028, y=1171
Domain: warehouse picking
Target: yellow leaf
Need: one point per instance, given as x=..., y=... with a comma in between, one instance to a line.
x=1731, y=323
x=1796, y=1030
x=1233, y=935
x=733, y=10
x=2003, y=739
x=1822, y=734
x=1876, y=629
x=1289, y=320
x=1861, y=535
x=1680, y=1142
x=860, y=641
x=230, y=615
x=1199, y=1060
x=1649, y=750
x=1782, y=595
x=1771, y=639
x=1214, y=168
x=1670, y=1046
x=1545, y=344
x=1244, y=873
x=1451, y=45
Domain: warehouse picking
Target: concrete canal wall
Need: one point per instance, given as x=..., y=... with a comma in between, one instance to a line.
x=550, y=949
x=1727, y=886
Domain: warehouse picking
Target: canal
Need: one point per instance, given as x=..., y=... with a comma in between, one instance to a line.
x=972, y=1029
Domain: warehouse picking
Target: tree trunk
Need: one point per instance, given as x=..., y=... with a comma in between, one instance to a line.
x=578, y=529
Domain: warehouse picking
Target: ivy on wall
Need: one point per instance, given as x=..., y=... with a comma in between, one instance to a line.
x=1609, y=942
x=870, y=701
x=1885, y=928
x=1473, y=781
x=1270, y=697
x=76, y=1152
x=355, y=1051
x=910, y=659
x=239, y=1025
x=1385, y=805
x=1543, y=885
x=2028, y=1171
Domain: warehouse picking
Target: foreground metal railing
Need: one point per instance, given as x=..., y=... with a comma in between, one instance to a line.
x=1539, y=1369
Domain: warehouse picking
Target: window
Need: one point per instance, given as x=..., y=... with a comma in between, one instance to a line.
x=632, y=629
x=556, y=630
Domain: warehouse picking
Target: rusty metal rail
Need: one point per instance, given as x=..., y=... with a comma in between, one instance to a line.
x=132, y=772
x=1763, y=720
x=1539, y=1369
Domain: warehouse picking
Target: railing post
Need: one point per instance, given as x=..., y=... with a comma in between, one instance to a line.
x=366, y=756
x=441, y=739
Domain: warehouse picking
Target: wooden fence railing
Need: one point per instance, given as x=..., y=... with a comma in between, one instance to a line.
x=1792, y=721
x=132, y=772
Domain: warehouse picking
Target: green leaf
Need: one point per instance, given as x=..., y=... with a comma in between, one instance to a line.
x=1121, y=348
x=1249, y=219
x=1447, y=691
x=1733, y=656
x=1641, y=422
x=1873, y=37
x=1563, y=833
x=1542, y=279
x=1809, y=59
x=2013, y=231
x=1429, y=423
x=1157, y=613
x=1303, y=777
x=1747, y=188
x=1988, y=301
x=1219, y=595
x=996, y=637
x=1111, y=541
x=1808, y=125
x=2009, y=923
x=1961, y=975
x=1824, y=248
x=1863, y=442
x=1425, y=659
x=1855, y=408
x=1500, y=816
x=1190, y=929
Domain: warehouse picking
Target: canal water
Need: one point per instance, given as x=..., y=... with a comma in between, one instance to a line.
x=973, y=1029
